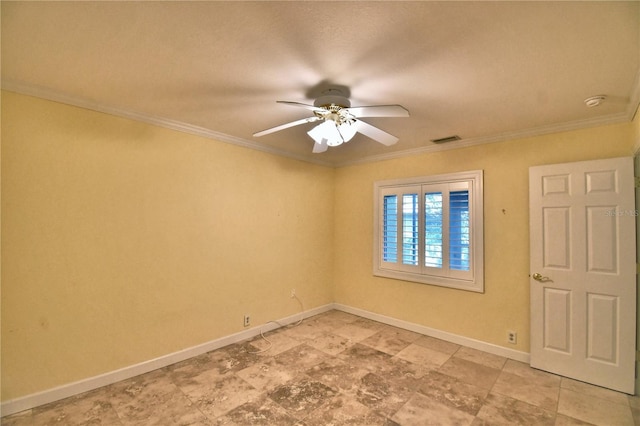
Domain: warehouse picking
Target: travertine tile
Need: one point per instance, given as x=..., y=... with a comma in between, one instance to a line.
x=470, y=372
x=421, y=410
x=365, y=357
x=453, y=392
x=562, y=420
x=340, y=369
x=90, y=408
x=330, y=343
x=479, y=357
x=355, y=332
x=152, y=399
x=301, y=357
x=381, y=395
x=267, y=374
x=217, y=397
x=342, y=410
x=594, y=410
x=437, y=344
x=307, y=330
x=262, y=411
x=423, y=356
x=502, y=410
x=338, y=374
x=273, y=343
x=527, y=390
x=538, y=377
x=597, y=391
x=390, y=340
x=302, y=395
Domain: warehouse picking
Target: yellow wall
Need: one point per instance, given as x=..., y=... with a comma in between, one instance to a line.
x=505, y=302
x=123, y=242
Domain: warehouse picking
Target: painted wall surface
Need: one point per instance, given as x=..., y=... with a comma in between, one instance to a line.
x=505, y=303
x=123, y=242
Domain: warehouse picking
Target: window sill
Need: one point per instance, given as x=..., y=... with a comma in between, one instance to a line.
x=475, y=285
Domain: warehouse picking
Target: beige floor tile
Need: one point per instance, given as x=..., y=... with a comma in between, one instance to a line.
x=381, y=395
x=594, y=410
x=343, y=410
x=267, y=374
x=152, y=399
x=479, y=357
x=338, y=374
x=502, y=410
x=562, y=420
x=301, y=357
x=423, y=356
x=597, y=391
x=470, y=372
x=330, y=343
x=302, y=396
x=422, y=410
x=365, y=357
x=355, y=332
x=526, y=390
x=90, y=408
x=453, y=392
x=437, y=344
x=340, y=369
x=307, y=330
x=273, y=343
x=390, y=340
x=262, y=411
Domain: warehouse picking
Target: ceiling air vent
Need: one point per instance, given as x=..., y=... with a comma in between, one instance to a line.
x=447, y=139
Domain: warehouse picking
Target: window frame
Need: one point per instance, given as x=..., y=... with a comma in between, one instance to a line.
x=473, y=280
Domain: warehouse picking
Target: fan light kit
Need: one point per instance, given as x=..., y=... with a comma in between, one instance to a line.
x=339, y=121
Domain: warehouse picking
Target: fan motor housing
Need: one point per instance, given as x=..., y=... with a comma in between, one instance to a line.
x=332, y=99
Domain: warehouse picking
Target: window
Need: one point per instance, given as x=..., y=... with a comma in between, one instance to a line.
x=430, y=230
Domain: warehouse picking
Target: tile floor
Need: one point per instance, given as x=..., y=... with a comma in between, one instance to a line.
x=340, y=369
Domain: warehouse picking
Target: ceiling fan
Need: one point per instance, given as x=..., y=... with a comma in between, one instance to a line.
x=339, y=122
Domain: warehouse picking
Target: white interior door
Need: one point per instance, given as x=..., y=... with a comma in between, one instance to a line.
x=583, y=271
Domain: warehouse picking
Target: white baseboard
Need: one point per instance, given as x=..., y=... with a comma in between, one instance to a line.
x=443, y=335
x=55, y=394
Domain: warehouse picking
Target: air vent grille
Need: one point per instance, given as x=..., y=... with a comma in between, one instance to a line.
x=447, y=139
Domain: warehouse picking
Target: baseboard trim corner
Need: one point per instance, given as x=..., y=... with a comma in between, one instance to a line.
x=443, y=335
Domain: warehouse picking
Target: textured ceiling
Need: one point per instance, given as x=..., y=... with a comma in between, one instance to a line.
x=481, y=70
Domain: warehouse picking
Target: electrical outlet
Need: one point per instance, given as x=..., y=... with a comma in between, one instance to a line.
x=293, y=293
x=247, y=320
x=512, y=337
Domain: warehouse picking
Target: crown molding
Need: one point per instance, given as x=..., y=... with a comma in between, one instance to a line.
x=50, y=95
x=44, y=93
x=521, y=134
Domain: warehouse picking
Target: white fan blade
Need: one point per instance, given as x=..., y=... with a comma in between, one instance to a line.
x=305, y=106
x=375, y=133
x=320, y=147
x=286, y=126
x=379, y=111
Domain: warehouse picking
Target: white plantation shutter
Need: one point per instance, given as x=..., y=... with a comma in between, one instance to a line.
x=429, y=230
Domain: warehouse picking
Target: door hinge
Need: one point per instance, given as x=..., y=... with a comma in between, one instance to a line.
x=636, y=180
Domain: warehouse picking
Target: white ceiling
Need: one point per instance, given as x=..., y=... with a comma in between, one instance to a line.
x=485, y=71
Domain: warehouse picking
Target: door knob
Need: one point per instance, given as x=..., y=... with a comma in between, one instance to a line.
x=539, y=277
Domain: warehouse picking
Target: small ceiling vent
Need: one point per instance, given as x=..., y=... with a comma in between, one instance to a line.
x=447, y=139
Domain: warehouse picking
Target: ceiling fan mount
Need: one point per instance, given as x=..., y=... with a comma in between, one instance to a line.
x=332, y=97
x=339, y=121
